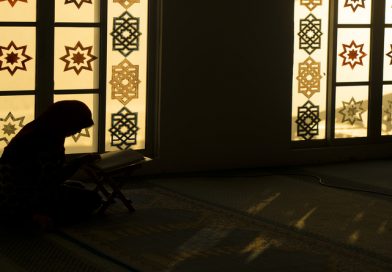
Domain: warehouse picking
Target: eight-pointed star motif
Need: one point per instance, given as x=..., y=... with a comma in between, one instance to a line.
x=354, y=4
x=13, y=58
x=13, y=2
x=9, y=126
x=390, y=54
x=78, y=3
x=78, y=58
x=352, y=54
x=352, y=111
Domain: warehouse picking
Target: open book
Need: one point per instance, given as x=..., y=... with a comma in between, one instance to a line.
x=116, y=160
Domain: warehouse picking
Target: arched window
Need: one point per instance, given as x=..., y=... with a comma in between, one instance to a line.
x=97, y=51
x=342, y=76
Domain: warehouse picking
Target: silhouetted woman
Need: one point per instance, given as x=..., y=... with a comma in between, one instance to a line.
x=33, y=169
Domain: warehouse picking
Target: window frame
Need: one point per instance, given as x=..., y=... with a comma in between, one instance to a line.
x=44, y=78
x=376, y=81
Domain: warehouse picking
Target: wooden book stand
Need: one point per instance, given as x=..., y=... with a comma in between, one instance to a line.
x=110, y=164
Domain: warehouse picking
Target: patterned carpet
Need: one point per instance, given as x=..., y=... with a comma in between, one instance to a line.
x=170, y=232
x=42, y=252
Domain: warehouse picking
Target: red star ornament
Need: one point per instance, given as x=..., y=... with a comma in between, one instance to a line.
x=13, y=2
x=78, y=58
x=352, y=54
x=13, y=58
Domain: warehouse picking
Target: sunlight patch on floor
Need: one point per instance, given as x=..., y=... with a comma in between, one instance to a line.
x=261, y=206
x=258, y=246
x=301, y=223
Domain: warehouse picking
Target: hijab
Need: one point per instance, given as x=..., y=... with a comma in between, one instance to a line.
x=48, y=131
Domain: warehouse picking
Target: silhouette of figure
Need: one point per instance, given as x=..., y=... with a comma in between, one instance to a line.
x=33, y=170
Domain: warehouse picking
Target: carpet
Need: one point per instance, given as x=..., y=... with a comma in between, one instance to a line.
x=170, y=232
x=366, y=175
x=22, y=251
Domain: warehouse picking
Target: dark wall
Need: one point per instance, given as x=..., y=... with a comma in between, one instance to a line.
x=226, y=88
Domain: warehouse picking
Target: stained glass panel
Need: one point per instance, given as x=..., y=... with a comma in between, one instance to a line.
x=77, y=11
x=76, y=64
x=310, y=69
x=15, y=112
x=388, y=54
x=87, y=140
x=353, y=51
x=351, y=114
x=354, y=11
x=126, y=74
x=386, y=122
x=18, y=10
x=388, y=12
x=17, y=58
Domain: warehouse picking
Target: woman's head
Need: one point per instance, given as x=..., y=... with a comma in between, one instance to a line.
x=66, y=118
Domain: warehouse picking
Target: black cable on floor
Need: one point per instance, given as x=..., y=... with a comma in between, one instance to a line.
x=320, y=181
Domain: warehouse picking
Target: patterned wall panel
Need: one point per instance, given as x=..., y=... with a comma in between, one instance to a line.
x=126, y=74
x=15, y=112
x=76, y=58
x=353, y=57
x=17, y=67
x=17, y=58
x=18, y=10
x=310, y=69
x=77, y=11
x=386, y=117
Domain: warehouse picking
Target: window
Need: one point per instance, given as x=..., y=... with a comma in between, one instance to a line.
x=342, y=75
x=103, y=53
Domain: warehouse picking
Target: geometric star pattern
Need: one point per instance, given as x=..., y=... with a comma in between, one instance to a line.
x=354, y=4
x=13, y=58
x=78, y=58
x=308, y=120
x=126, y=3
x=310, y=34
x=352, y=54
x=125, y=82
x=77, y=136
x=311, y=4
x=78, y=3
x=124, y=129
x=125, y=34
x=10, y=126
x=309, y=77
x=352, y=111
x=13, y=2
x=390, y=54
